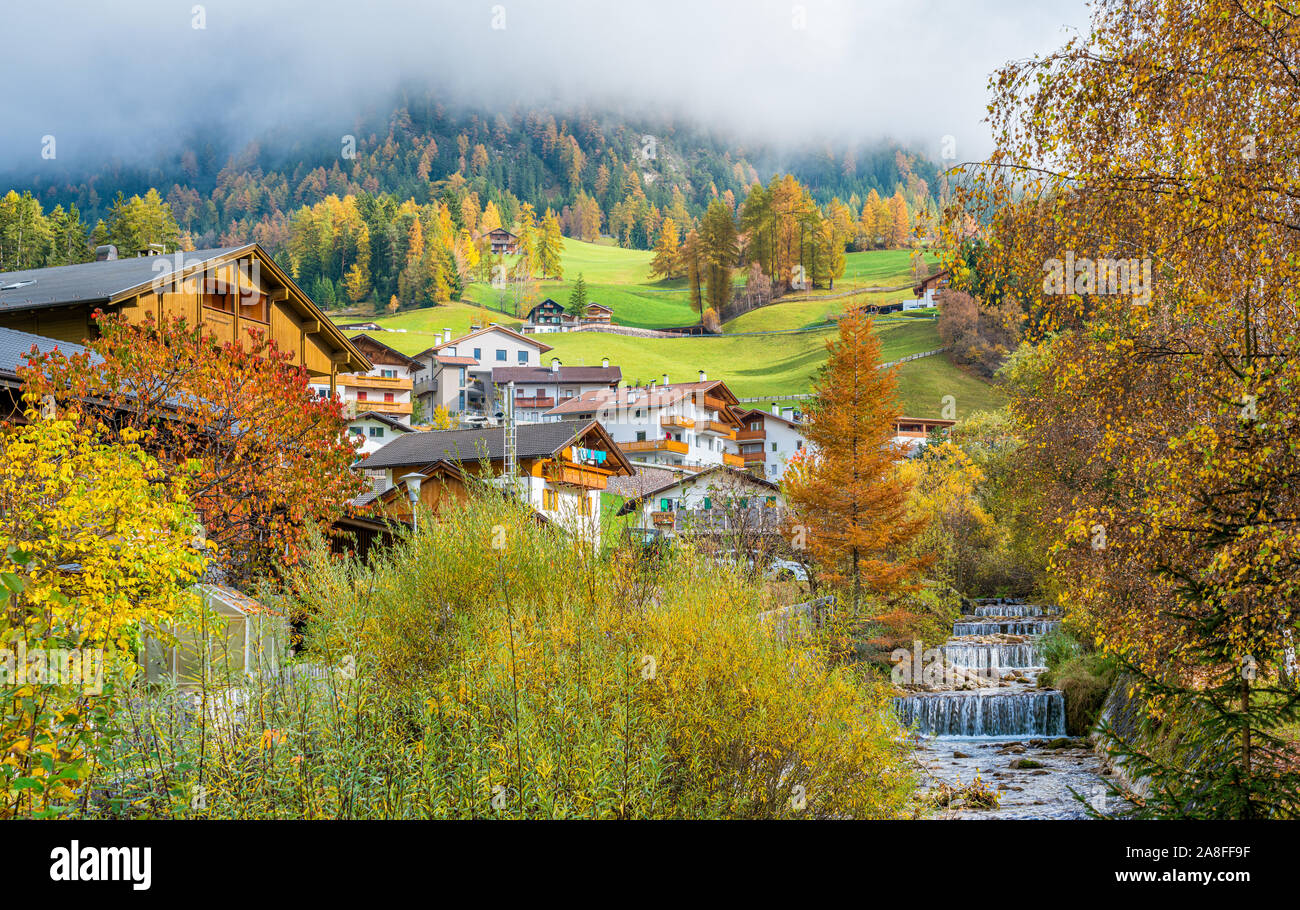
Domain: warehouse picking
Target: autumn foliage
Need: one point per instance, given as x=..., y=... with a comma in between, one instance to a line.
x=268, y=460
x=848, y=496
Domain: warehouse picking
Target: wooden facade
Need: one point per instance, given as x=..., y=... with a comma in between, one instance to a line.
x=233, y=294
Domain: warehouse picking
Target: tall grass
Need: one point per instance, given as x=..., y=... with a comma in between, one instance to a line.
x=492, y=667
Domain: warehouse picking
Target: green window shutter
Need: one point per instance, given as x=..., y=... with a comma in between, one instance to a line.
x=744, y=502
x=665, y=505
x=708, y=503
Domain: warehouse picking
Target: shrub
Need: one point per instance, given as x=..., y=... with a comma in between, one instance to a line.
x=493, y=668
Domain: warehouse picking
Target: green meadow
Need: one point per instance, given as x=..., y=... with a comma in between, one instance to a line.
x=753, y=365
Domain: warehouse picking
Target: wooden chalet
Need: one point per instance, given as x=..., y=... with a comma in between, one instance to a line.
x=503, y=242
x=232, y=292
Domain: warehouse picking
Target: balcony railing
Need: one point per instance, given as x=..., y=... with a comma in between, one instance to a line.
x=575, y=475
x=680, y=423
x=382, y=407
x=726, y=431
x=753, y=457
x=536, y=401
x=761, y=518
x=734, y=461
x=655, y=445
x=750, y=435
x=361, y=381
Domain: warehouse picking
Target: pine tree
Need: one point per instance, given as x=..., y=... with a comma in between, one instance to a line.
x=578, y=297
x=550, y=244
x=718, y=239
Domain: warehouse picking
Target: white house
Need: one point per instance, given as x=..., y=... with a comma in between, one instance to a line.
x=718, y=498
x=539, y=389
x=560, y=468
x=456, y=373
x=374, y=430
x=769, y=439
x=385, y=389
x=686, y=424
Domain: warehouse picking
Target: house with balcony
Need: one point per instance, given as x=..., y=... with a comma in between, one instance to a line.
x=502, y=242
x=386, y=388
x=912, y=434
x=769, y=439
x=547, y=317
x=561, y=469
x=456, y=373
x=716, y=500
x=691, y=425
x=234, y=293
x=539, y=389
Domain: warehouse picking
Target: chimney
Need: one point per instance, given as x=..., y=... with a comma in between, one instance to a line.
x=605, y=362
x=704, y=377
x=555, y=364
x=665, y=380
x=105, y=253
x=776, y=408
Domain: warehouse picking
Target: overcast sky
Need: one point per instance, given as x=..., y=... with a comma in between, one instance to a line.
x=120, y=78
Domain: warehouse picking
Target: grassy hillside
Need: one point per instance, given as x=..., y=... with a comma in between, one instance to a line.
x=754, y=366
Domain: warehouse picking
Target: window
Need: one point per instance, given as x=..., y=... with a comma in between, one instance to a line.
x=219, y=300
x=361, y=396
x=478, y=353
x=640, y=436
x=252, y=306
x=665, y=505
x=773, y=447
x=744, y=502
x=460, y=406
x=549, y=501
x=770, y=501
x=388, y=374
x=798, y=444
x=708, y=503
x=501, y=354
x=388, y=397
x=462, y=375
x=376, y=432
x=523, y=357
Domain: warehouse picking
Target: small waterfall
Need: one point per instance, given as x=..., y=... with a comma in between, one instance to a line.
x=984, y=713
x=1014, y=610
x=1006, y=627
x=992, y=656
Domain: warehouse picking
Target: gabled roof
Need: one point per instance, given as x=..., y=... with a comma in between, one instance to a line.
x=598, y=306
x=543, y=375
x=95, y=282
x=15, y=345
x=492, y=327
x=384, y=351
x=690, y=479
x=384, y=418
x=759, y=412
x=641, y=397
x=115, y=280
x=532, y=440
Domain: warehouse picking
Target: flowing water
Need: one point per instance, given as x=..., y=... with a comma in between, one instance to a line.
x=982, y=714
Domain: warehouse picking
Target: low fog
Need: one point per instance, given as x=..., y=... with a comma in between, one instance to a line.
x=129, y=78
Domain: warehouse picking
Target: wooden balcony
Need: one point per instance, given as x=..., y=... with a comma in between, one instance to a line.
x=536, y=401
x=379, y=407
x=362, y=381
x=726, y=431
x=679, y=423
x=716, y=404
x=735, y=461
x=655, y=445
x=575, y=475
x=750, y=435
x=754, y=457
